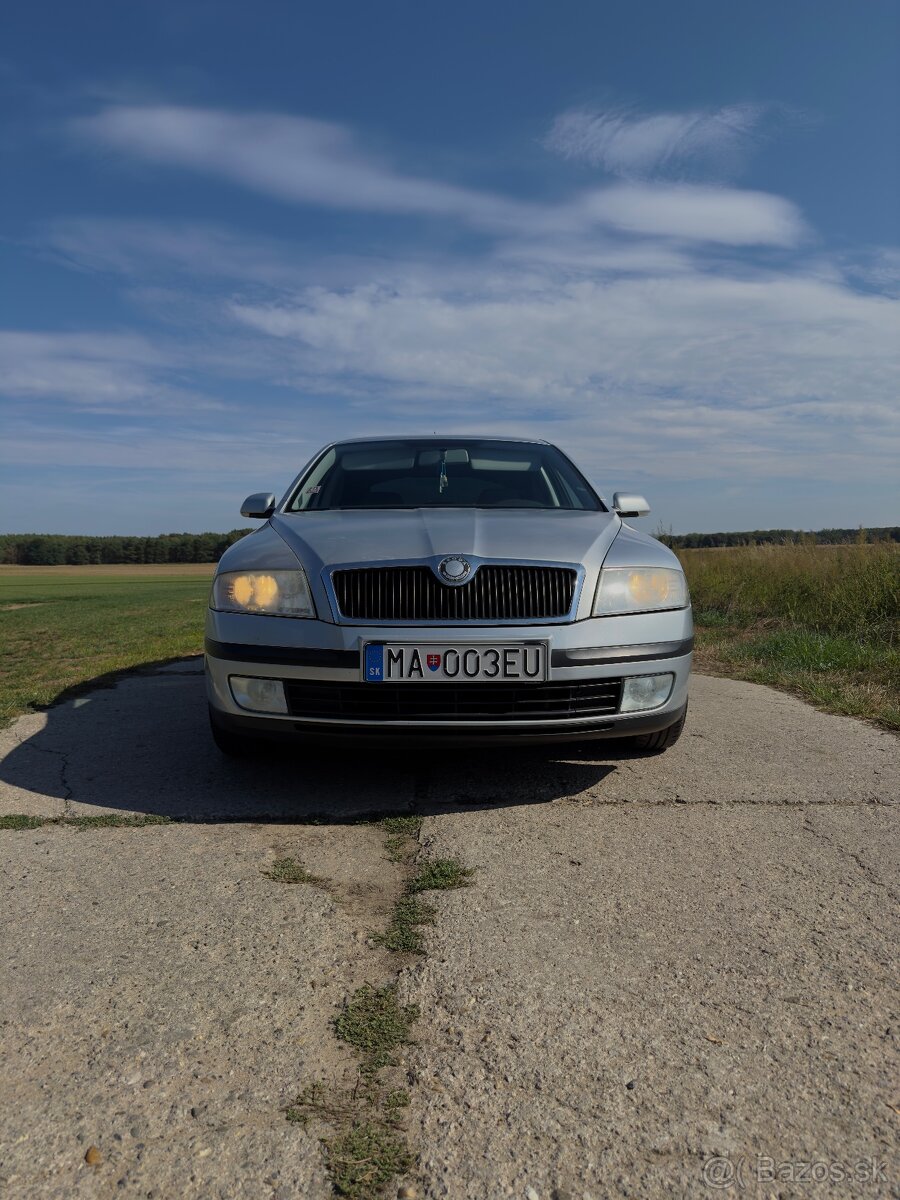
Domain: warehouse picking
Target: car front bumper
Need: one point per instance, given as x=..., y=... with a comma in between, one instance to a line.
x=608, y=648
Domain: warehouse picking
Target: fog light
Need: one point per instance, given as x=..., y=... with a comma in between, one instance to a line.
x=259, y=695
x=646, y=691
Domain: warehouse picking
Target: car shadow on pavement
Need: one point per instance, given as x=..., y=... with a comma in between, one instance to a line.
x=143, y=746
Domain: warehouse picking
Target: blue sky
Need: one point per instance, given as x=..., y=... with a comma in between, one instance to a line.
x=664, y=236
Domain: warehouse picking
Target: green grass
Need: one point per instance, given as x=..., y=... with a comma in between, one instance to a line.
x=820, y=621
x=363, y=1140
x=407, y=826
x=289, y=870
x=101, y=821
x=375, y=1024
x=365, y=1157
x=79, y=625
x=402, y=934
x=440, y=875
x=115, y=821
x=21, y=821
x=367, y=1148
x=400, y=840
x=411, y=913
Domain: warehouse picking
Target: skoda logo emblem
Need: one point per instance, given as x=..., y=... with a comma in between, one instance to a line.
x=455, y=569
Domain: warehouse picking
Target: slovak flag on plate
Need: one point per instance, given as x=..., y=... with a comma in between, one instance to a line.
x=433, y=661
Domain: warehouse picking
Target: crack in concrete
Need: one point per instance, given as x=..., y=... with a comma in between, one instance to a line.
x=421, y=786
x=63, y=755
x=463, y=802
x=864, y=867
x=421, y=806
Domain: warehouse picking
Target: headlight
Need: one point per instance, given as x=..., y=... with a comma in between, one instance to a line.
x=639, y=589
x=271, y=593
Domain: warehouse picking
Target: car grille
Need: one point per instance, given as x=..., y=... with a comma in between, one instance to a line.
x=495, y=593
x=320, y=699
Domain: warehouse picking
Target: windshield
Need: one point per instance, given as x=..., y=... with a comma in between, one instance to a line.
x=464, y=473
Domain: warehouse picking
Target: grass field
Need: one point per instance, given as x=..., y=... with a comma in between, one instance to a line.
x=62, y=626
x=820, y=621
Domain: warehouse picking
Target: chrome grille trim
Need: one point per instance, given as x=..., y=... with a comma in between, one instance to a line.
x=412, y=593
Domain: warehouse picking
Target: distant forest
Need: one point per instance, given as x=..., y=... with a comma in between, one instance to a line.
x=58, y=549
x=778, y=537
x=52, y=550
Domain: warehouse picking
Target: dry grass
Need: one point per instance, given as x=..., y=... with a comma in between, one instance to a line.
x=820, y=621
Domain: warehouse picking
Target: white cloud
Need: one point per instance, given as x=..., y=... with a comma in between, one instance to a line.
x=596, y=255
x=144, y=447
x=204, y=254
x=616, y=321
x=759, y=374
x=713, y=214
x=87, y=367
x=151, y=248
x=300, y=160
x=94, y=371
x=634, y=144
x=291, y=158
x=878, y=267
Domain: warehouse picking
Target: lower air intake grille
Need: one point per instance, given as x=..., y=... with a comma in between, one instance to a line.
x=320, y=699
x=495, y=593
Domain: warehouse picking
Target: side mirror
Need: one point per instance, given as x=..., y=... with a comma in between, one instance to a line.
x=628, y=504
x=260, y=504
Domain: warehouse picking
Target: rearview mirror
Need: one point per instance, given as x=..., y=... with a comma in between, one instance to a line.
x=260, y=504
x=456, y=454
x=629, y=504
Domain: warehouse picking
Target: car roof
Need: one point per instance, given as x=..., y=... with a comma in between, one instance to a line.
x=438, y=437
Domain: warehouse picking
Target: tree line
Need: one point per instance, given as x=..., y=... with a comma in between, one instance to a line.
x=778, y=537
x=55, y=550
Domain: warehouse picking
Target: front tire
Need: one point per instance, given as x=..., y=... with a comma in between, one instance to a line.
x=661, y=740
x=230, y=743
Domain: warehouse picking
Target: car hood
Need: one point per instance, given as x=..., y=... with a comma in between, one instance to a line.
x=327, y=539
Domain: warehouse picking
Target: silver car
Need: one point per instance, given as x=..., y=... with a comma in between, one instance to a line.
x=447, y=589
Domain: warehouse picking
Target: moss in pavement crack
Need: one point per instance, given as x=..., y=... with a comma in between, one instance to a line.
x=367, y=1148
x=92, y=821
x=364, y=1144
x=374, y=1023
x=289, y=870
x=400, y=837
x=411, y=913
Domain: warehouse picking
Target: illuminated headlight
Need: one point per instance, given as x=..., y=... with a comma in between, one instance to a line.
x=645, y=691
x=272, y=593
x=259, y=695
x=639, y=589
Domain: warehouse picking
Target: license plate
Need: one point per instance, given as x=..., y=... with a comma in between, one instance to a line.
x=522, y=662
